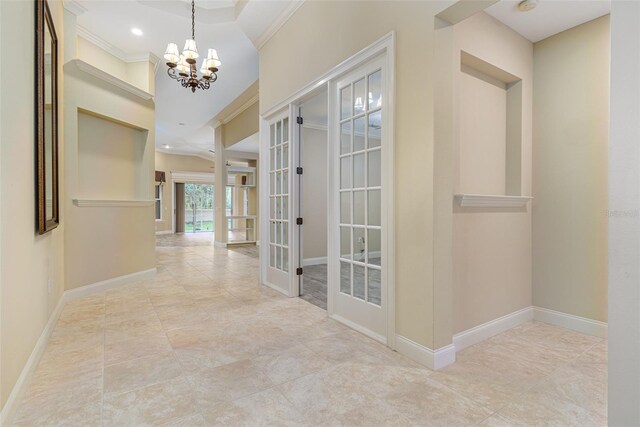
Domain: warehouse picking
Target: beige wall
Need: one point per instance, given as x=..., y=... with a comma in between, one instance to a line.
x=101, y=59
x=351, y=31
x=314, y=194
x=139, y=73
x=571, y=111
x=482, y=151
x=28, y=261
x=169, y=163
x=491, y=248
x=122, y=239
x=110, y=157
x=242, y=126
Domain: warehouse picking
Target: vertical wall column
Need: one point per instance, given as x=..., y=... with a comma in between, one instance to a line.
x=445, y=95
x=220, y=186
x=624, y=216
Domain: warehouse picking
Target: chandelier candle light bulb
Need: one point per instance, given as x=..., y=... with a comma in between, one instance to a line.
x=182, y=67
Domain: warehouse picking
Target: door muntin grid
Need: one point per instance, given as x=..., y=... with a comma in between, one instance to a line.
x=360, y=187
x=279, y=195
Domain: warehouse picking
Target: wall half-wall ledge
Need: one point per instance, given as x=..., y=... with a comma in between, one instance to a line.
x=112, y=80
x=491, y=201
x=93, y=203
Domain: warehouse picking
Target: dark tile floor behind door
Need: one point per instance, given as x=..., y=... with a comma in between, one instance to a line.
x=314, y=288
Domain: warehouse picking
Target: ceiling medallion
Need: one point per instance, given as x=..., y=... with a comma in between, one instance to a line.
x=182, y=67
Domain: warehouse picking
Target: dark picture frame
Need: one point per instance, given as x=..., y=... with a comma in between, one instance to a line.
x=46, y=147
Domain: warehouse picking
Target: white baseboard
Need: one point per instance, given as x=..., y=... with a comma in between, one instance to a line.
x=32, y=362
x=315, y=261
x=275, y=288
x=494, y=327
x=104, y=285
x=41, y=344
x=435, y=360
x=569, y=321
x=358, y=328
x=159, y=233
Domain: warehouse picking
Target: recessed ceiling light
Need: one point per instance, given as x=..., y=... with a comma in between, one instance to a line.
x=137, y=31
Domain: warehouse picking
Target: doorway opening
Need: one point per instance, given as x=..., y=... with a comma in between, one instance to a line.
x=358, y=185
x=194, y=207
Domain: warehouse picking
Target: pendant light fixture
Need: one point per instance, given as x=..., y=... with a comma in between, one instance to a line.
x=182, y=67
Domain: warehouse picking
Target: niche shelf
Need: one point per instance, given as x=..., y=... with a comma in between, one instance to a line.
x=491, y=201
x=95, y=203
x=87, y=68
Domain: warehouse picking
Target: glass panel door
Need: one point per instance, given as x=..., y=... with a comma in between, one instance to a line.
x=279, y=254
x=359, y=295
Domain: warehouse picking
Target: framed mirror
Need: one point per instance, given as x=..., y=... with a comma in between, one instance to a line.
x=46, y=120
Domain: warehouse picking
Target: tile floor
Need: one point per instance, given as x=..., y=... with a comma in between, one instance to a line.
x=204, y=344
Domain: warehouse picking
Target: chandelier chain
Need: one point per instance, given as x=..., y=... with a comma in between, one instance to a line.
x=193, y=19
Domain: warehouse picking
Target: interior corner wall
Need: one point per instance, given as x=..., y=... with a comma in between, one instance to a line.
x=491, y=247
x=242, y=126
x=170, y=163
x=571, y=125
x=103, y=243
x=314, y=192
x=351, y=31
x=29, y=261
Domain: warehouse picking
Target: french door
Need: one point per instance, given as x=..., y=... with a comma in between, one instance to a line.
x=357, y=256
x=279, y=252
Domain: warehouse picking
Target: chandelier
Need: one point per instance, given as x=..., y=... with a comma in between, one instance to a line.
x=182, y=67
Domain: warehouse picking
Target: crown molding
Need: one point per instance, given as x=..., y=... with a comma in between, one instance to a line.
x=74, y=7
x=117, y=52
x=278, y=23
x=240, y=109
x=100, y=42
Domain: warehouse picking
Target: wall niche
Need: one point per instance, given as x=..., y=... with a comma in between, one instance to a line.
x=489, y=132
x=111, y=160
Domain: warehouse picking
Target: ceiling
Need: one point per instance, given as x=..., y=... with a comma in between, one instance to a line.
x=183, y=119
x=549, y=17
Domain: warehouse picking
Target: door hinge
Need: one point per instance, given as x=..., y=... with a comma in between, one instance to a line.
x=299, y=170
x=299, y=271
x=299, y=120
x=298, y=221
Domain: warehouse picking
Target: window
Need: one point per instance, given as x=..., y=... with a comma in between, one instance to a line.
x=158, y=189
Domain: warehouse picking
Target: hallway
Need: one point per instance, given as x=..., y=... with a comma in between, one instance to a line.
x=204, y=344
